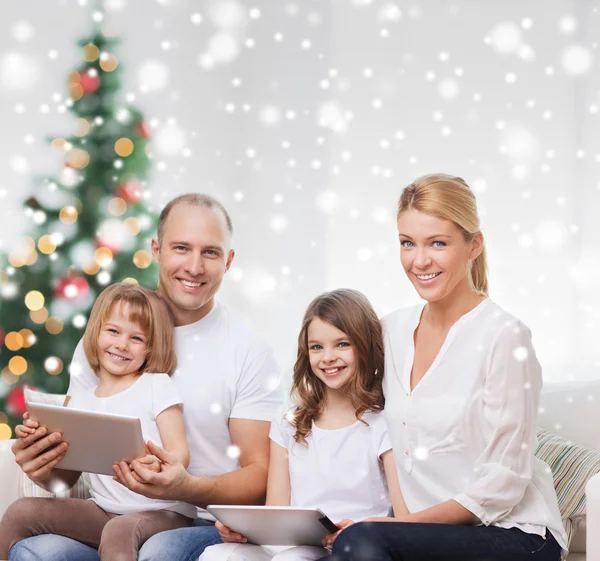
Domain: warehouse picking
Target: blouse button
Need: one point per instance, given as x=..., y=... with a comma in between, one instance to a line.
x=408, y=465
x=404, y=423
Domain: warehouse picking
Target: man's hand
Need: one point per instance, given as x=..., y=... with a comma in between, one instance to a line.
x=168, y=483
x=33, y=451
x=328, y=540
x=228, y=535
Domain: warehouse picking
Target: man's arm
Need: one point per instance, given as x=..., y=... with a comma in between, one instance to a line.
x=246, y=485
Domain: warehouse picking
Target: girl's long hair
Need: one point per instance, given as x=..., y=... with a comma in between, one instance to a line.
x=352, y=313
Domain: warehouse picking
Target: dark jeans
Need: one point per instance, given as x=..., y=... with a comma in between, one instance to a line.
x=403, y=541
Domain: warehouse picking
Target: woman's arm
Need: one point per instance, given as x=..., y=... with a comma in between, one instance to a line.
x=510, y=398
x=172, y=433
x=278, y=482
x=391, y=474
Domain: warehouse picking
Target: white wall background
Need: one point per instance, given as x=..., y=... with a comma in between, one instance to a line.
x=308, y=117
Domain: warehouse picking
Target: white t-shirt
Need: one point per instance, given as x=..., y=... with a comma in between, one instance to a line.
x=467, y=430
x=340, y=471
x=223, y=371
x=146, y=398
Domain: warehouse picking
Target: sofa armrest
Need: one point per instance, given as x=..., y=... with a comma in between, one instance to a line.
x=592, y=491
x=9, y=475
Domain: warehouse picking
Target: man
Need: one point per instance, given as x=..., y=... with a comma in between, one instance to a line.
x=226, y=376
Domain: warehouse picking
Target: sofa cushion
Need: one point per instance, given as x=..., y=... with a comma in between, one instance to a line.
x=79, y=491
x=572, y=466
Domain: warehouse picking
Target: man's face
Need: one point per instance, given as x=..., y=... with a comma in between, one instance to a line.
x=192, y=259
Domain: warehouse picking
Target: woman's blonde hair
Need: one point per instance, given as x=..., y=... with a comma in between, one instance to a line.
x=450, y=198
x=352, y=313
x=149, y=311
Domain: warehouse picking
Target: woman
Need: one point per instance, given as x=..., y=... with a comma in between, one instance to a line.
x=462, y=386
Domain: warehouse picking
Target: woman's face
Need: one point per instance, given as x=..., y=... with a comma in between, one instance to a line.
x=435, y=256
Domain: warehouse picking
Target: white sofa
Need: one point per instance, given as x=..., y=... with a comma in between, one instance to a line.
x=571, y=410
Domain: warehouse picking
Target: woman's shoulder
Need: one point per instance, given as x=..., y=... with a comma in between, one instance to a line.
x=500, y=320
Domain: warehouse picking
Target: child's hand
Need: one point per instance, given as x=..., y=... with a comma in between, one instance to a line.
x=328, y=540
x=229, y=536
x=28, y=427
x=148, y=461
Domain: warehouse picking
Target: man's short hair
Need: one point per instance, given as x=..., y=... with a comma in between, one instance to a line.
x=194, y=199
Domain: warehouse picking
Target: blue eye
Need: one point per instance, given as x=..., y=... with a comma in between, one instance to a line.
x=441, y=244
x=406, y=243
x=316, y=348
x=344, y=344
x=138, y=339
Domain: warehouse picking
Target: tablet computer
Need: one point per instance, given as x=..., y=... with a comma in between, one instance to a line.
x=275, y=525
x=96, y=440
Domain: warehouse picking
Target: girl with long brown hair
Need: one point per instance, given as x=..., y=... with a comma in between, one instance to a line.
x=331, y=449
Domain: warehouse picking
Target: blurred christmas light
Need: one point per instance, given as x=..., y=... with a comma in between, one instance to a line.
x=103, y=256
x=82, y=127
x=117, y=206
x=142, y=259
x=103, y=278
x=54, y=325
x=17, y=365
x=108, y=62
x=9, y=290
x=68, y=215
x=91, y=268
x=34, y=300
x=53, y=365
x=39, y=316
x=13, y=341
x=78, y=158
x=90, y=52
x=132, y=225
x=29, y=338
x=124, y=147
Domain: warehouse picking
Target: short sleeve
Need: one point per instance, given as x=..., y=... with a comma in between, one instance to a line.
x=258, y=390
x=82, y=377
x=381, y=438
x=282, y=431
x=511, y=395
x=164, y=393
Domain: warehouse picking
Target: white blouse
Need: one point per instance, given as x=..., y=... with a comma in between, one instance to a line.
x=467, y=430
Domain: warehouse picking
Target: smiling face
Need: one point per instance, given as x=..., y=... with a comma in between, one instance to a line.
x=122, y=344
x=194, y=256
x=330, y=353
x=434, y=254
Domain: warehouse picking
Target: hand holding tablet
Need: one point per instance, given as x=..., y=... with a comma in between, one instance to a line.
x=275, y=525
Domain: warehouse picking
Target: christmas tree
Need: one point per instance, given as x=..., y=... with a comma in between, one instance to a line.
x=88, y=227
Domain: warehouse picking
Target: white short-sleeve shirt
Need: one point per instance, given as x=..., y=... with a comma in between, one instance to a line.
x=146, y=399
x=224, y=371
x=467, y=430
x=339, y=471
